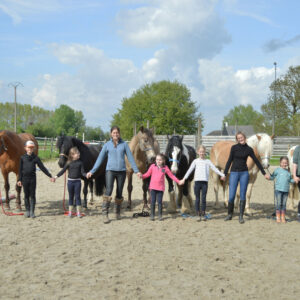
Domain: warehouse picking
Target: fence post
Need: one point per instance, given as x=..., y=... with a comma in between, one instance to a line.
x=199, y=137
x=51, y=147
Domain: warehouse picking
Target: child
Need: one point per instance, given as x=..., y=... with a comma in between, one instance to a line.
x=27, y=177
x=201, y=166
x=76, y=170
x=283, y=178
x=157, y=172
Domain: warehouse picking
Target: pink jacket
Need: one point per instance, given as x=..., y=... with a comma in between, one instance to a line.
x=157, y=174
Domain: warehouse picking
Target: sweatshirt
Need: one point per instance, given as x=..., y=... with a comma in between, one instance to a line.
x=283, y=178
x=75, y=168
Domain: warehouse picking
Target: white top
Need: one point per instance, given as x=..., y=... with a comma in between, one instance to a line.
x=202, y=167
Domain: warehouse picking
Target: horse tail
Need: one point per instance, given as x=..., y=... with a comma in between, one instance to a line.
x=100, y=184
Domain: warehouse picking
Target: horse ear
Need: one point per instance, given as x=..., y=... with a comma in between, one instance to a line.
x=181, y=138
x=272, y=136
x=259, y=137
x=141, y=129
x=168, y=137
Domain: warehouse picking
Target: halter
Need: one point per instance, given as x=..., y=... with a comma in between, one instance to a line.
x=175, y=160
x=62, y=154
x=265, y=157
x=148, y=149
x=3, y=147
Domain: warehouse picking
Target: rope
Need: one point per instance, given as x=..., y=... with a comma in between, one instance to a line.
x=66, y=212
x=9, y=213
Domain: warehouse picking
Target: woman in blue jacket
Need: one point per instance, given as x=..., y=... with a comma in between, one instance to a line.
x=115, y=150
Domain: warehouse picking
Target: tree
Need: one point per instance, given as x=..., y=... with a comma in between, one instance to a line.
x=68, y=121
x=245, y=115
x=166, y=105
x=95, y=133
x=283, y=103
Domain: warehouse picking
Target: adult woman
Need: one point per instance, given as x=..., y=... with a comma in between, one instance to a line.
x=239, y=173
x=115, y=151
x=296, y=172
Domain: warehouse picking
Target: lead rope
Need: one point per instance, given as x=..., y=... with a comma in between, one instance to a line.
x=8, y=213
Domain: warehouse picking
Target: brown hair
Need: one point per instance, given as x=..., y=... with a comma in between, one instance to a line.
x=201, y=147
x=113, y=128
x=163, y=157
x=285, y=158
x=240, y=133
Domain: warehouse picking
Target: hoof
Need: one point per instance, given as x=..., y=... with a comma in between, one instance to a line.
x=249, y=212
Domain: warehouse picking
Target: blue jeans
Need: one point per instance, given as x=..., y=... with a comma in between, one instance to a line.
x=110, y=177
x=281, y=198
x=156, y=195
x=200, y=185
x=234, y=179
x=74, y=189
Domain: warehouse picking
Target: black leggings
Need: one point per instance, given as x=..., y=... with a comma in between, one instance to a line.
x=29, y=186
x=299, y=192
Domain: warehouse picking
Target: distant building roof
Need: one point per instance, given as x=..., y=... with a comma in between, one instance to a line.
x=248, y=130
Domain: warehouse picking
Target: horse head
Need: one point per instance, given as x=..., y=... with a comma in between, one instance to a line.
x=146, y=143
x=64, y=144
x=174, y=152
x=264, y=145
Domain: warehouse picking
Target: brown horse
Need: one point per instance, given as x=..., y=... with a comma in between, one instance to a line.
x=262, y=145
x=11, y=150
x=293, y=192
x=144, y=148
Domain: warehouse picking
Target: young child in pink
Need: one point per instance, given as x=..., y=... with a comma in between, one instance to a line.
x=157, y=172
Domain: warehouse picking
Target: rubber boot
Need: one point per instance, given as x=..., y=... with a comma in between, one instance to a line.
x=32, y=207
x=242, y=209
x=203, y=215
x=283, y=220
x=70, y=211
x=78, y=207
x=230, y=211
x=118, y=202
x=278, y=220
x=105, y=208
x=152, y=215
x=27, y=207
x=160, y=211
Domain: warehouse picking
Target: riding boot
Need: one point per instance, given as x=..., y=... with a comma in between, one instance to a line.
x=27, y=207
x=283, y=220
x=230, y=211
x=152, y=215
x=278, y=220
x=160, y=211
x=118, y=202
x=105, y=208
x=32, y=207
x=242, y=209
x=78, y=207
x=203, y=215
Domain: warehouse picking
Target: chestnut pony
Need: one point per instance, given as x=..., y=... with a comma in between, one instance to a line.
x=11, y=150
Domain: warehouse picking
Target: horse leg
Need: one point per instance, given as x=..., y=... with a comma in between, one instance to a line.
x=216, y=189
x=18, y=199
x=190, y=199
x=145, y=189
x=248, y=210
x=85, y=192
x=185, y=208
x=291, y=196
x=6, y=188
x=129, y=189
x=172, y=203
x=179, y=198
x=90, y=197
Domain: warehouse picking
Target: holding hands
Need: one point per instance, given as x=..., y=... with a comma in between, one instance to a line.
x=267, y=176
x=89, y=175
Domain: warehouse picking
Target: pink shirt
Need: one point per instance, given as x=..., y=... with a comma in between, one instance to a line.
x=157, y=174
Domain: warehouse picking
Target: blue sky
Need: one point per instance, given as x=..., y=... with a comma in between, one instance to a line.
x=90, y=54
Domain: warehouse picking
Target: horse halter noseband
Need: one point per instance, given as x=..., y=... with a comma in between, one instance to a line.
x=64, y=155
x=3, y=147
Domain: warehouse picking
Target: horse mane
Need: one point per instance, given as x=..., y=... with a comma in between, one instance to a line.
x=175, y=140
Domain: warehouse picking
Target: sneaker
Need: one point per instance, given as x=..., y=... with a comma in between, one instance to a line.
x=79, y=215
x=70, y=214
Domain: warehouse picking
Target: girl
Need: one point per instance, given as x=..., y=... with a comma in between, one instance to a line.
x=283, y=178
x=76, y=170
x=157, y=172
x=201, y=167
x=27, y=177
x=115, y=151
x=239, y=154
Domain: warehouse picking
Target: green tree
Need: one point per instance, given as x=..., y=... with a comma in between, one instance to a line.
x=283, y=103
x=68, y=121
x=95, y=133
x=245, y=115
x=166, y=105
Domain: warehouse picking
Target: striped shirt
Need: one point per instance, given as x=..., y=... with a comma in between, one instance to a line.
x=201, y=167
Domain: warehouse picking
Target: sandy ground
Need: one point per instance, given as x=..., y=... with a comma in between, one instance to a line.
x=54, y=257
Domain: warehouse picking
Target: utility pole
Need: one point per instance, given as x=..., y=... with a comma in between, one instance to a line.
x=15, y=85
x=275, y=100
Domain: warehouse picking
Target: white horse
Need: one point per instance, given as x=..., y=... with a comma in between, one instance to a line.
x=262, y=145
x=293, y=192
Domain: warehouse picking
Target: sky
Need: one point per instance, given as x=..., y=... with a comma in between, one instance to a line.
x=91, y=54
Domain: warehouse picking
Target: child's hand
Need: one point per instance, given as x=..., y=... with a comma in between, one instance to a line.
x=139, y=175
x=52, y=179
x=181, y=182
x=19, y=183
x=223, y=178
x=267, y=176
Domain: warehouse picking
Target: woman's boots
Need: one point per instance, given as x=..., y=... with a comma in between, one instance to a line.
x=242, y=209
x=105, y=208
x=230, y=211
x=118, y=202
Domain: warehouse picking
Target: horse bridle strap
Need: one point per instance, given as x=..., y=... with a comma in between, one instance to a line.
x=148, y=149
x=176, y=160
x=62, y=154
